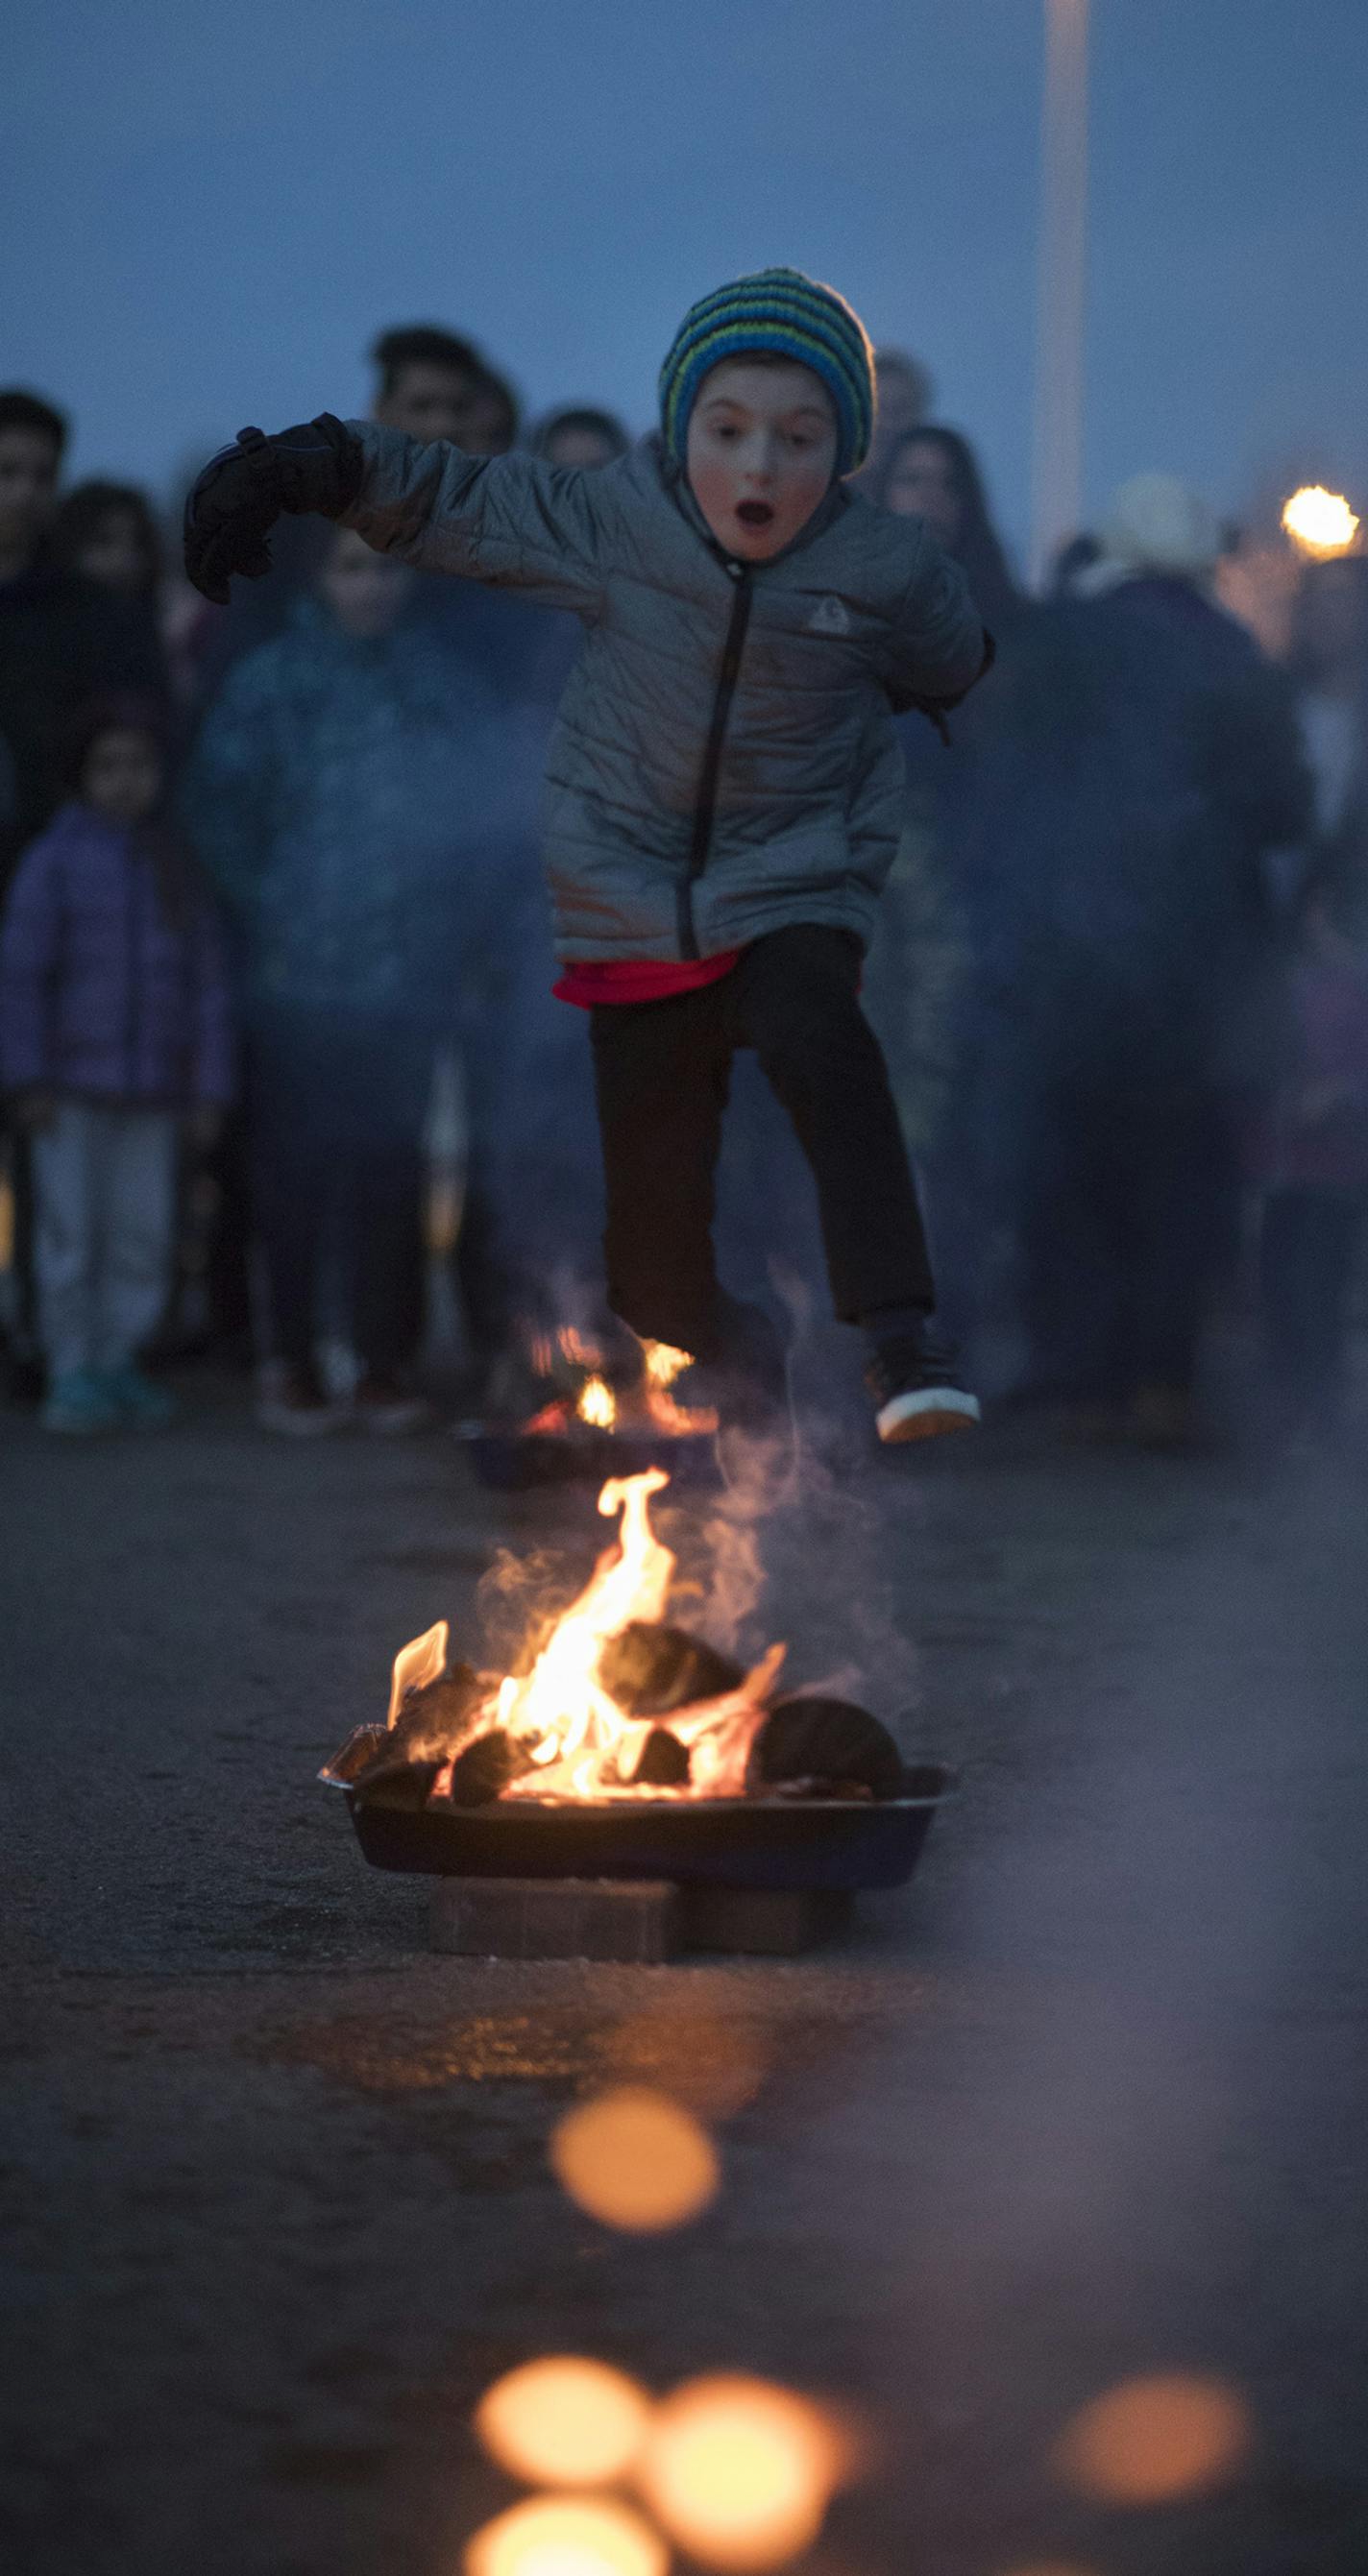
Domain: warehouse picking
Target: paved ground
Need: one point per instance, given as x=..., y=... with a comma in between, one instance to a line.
x=1086, y=2102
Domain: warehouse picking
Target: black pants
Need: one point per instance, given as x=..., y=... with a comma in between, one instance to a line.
x=337, y=1112
x=1127, y=1218
x=662, y=1072
x=1306, y=1267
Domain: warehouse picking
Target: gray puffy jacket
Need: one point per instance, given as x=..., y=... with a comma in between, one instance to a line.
x=724, y=761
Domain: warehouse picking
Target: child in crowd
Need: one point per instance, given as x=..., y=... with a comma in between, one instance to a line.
x=348, y=793
x=107, y=533
x=1312, y=1157
x=114, y=1032
x=725, y=785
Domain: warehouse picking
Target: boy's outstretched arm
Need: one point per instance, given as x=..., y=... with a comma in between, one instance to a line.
x=237, y=500
x=505, y=519
x=937, y=645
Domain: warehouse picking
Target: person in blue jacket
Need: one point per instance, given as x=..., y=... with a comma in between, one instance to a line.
x=363, y=818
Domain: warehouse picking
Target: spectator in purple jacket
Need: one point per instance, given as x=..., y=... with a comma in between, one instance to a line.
x=114, y=1032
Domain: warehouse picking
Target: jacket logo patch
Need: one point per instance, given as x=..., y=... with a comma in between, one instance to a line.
x=829, y=617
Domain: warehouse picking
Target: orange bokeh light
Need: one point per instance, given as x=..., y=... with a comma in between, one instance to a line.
x=564, y=2422
x=740, y=2471
x=1153, y=2439
x=567, y=2536
x=635, y=2160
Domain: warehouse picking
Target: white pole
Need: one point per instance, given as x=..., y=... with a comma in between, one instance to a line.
x=1057, y=447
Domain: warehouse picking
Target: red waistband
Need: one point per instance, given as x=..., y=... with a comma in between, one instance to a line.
x=646, y=979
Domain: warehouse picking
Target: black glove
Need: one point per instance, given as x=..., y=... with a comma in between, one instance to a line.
x=242, y=491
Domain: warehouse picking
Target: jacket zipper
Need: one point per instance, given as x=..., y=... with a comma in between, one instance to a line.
x=706, y=806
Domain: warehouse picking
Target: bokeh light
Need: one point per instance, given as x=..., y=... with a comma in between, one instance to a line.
x=1321, y=522
x=713, y=2066
x=564, y=2422
x=1153, y=2439
x=635, y=2160
x=567, y=2536
x=740, y=2471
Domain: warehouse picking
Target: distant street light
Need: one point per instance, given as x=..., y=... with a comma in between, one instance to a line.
x=1320, y=522
x=1057, y=447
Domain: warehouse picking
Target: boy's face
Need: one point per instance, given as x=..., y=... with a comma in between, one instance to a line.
x=122, y=777
x=364, y=590
x=28, y=485
x=761, y=453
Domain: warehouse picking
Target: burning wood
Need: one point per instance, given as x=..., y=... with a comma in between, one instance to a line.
x=618, y=1704
x=596, y=1399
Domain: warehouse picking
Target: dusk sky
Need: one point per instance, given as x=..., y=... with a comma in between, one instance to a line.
x=211, y=211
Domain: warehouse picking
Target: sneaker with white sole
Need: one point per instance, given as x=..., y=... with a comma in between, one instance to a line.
x=916, y=1393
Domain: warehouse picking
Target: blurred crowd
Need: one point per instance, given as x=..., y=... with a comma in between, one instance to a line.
x=284, y=1084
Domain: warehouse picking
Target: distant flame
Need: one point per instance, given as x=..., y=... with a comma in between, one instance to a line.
x=644, y=1407
x=578, y=1741
x=597, y=1404
x=1321, y=522
x=664, y=1364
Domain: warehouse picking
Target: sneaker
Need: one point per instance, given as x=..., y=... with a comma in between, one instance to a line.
x=916, y=1394
x=384, y=1405
x=296, y=1405
x=137, y=1401
x=78, y=1406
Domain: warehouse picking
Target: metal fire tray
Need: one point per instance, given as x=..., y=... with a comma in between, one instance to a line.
x=719, y=1842
x=509, y=1461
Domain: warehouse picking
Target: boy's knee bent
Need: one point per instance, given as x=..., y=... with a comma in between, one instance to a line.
x=815, y=1033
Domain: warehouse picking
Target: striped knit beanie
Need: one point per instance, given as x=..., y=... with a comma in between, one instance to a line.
x=790, y=316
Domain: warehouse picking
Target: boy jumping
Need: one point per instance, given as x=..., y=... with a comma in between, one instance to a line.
x=725, y=786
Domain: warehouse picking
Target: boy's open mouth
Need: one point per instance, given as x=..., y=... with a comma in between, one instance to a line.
x=754, y=514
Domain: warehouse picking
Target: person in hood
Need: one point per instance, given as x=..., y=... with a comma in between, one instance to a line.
x=1149, y=763
x=724, y=782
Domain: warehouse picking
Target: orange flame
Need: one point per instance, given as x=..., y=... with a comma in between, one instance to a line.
x=422, y=1661
x=664, y=1363
x=597, y=1404
x=578, y=1742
